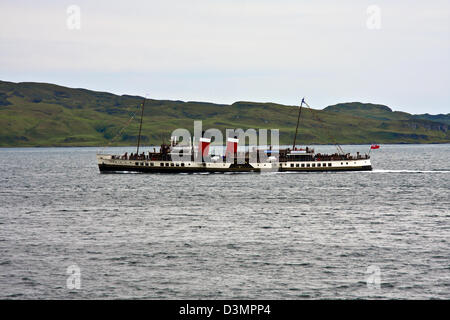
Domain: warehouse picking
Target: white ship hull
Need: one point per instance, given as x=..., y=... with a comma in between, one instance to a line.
x=107, y=163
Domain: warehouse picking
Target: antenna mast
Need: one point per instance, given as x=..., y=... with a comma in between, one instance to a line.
x=338, y=147
x=298, y=120
x=140, y=127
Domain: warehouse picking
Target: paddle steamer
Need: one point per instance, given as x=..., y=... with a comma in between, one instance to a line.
x=174, y=158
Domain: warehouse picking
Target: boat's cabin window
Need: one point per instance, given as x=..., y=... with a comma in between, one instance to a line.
x=136, y=163
x=152, y=164
x=303, y=165
x=292, y=165
x=329, y=164
x=318, y=164
x=297, y=165
x=313, y=164
x=308, y=165
x=172, y=164
x=182, y=164
x=161, y=164
x=167, y=164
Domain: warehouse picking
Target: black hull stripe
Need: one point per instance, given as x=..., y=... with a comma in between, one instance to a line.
x=145, y=169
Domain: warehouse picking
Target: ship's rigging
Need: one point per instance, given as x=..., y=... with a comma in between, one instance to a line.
x=313, y=113
x=316, y=117
x=140, y=126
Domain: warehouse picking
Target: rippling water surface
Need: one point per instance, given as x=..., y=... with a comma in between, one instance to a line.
x=265, y=236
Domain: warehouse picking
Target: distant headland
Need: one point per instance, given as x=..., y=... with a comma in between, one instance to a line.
x=41, y=114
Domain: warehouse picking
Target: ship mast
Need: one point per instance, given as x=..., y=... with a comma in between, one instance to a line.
x=140, y=127
x=316, y=117
x=298, y=120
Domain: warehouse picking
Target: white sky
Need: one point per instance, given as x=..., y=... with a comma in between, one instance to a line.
x=225, y=51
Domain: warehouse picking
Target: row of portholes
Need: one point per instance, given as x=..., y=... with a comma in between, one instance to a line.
x=292, y=165
x=308, y=165
x=162, y=164
x=167, y=164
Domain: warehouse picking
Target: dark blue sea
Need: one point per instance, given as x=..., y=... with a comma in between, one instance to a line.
x=383, y=234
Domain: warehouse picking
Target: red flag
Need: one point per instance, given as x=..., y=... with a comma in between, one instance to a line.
x=374, y=146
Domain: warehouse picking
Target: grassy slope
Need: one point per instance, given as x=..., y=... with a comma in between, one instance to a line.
x=38, y=114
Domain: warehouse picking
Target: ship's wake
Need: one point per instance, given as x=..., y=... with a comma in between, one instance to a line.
x=409, y=171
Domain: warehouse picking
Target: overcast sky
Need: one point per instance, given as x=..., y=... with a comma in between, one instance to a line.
x=226, y=51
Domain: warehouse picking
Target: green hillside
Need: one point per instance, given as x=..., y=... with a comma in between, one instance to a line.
x=40, y=114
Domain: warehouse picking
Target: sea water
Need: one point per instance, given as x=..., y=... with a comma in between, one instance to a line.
x=67, y=231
